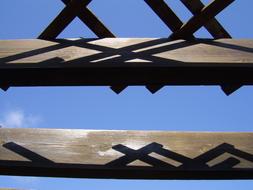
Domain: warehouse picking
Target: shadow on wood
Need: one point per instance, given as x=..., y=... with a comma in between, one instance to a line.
x=124, y=62
x=188, y=168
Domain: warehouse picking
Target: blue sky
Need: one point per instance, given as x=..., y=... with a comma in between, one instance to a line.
x=172, y=108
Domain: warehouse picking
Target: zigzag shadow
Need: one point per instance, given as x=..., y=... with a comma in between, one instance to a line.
x=190, y=168
x=113, y=55
x=198, y=163
x=105, y=54
x=118, y=66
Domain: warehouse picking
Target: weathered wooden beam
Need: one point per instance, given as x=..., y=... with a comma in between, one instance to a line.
x=126, y=154
x=124, y=62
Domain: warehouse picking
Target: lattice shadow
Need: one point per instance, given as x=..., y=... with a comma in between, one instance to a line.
x=190, y=168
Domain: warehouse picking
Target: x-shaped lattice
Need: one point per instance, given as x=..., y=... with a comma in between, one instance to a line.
x=202, y=16
x=73, y=9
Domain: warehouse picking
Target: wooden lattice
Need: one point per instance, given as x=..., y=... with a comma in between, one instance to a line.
x=180, y=59
x=203, y=16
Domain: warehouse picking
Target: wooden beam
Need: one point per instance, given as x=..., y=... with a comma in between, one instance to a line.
x=124, y=62
x=126, y=154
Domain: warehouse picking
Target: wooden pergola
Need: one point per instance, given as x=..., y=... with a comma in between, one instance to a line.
x=180, y=59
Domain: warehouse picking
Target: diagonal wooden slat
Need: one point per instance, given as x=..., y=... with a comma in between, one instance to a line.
x=88, y=18
x=166, y=14
x=65, y=17
x=96, y=26
x=212, y=26
x=215, y=29
x=174, y=23
x=197, y=21
x=125, y=154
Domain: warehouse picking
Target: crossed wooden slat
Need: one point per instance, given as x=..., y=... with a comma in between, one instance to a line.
x=212, y=26
x=202, y=16
x=75, y=8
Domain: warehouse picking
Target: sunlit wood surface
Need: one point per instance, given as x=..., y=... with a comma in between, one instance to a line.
x=126, y=154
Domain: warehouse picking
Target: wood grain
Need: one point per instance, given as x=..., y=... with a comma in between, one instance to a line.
x=126, y=154
x=125, y=61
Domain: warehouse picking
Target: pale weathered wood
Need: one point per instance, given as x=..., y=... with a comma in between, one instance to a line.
x=123, y=62
x=135, y=52
x=126, y=154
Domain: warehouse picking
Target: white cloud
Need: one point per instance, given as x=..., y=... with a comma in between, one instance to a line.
x=19, y=119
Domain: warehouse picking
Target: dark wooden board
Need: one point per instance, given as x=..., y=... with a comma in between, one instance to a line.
x=122, y=62
x=126, y=154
